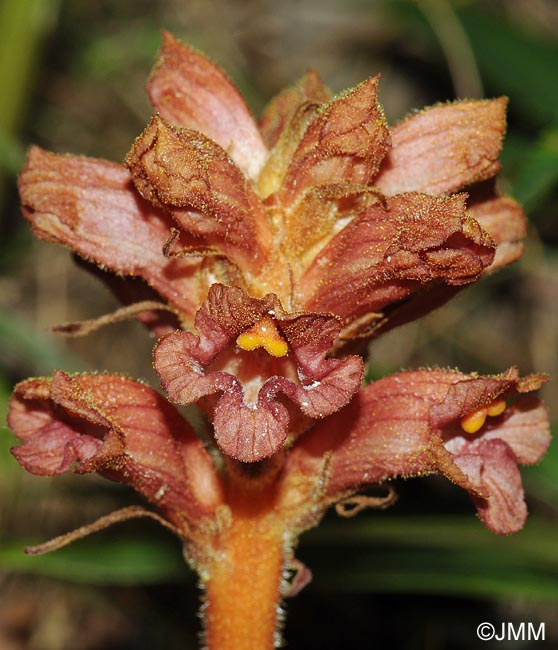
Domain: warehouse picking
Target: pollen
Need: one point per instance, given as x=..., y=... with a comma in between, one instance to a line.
x=264, y=335
x=473, y=422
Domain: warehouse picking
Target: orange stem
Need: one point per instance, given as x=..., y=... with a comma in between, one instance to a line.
x=243, y=589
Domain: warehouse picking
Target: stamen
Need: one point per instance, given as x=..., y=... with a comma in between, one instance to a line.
x=473, y=422
x=496, y=408
x=264, y=335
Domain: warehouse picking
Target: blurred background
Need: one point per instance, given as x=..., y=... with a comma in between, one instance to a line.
x=421, y=575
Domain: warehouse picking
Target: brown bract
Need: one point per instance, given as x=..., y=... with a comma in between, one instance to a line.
x=408, y=424
x=112, y=425
x=250, y=420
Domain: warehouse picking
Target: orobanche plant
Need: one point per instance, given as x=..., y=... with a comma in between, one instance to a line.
x=264, y=257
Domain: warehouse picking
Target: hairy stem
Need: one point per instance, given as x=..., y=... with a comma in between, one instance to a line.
x=243, y=589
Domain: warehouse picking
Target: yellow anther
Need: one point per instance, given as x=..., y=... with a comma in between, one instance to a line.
x=496, y=408
x=264, y=335
x=473, y=422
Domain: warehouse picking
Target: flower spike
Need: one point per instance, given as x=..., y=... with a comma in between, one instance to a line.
x=209, y=204
x=260, y=254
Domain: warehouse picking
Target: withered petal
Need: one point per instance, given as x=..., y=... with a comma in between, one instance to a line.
x=209, y=197
x=323, y=386
x=111, y=425
x=388, y=253
x=504, y=220
x=91, y=206
x=408, y=424
x=444, y=148
x=278, y=112
x=345, y=143
x=189, y=90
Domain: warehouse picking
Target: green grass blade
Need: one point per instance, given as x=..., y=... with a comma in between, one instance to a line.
x=119, y=561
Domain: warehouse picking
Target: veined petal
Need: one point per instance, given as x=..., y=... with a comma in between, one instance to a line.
x=209, y=196
x=281, y=108
x=389, y=252
x=345, y=143
x=492, y=469
x=504, y=220
x=444, y=148
x=189, y=90
x=524, y=429
x=111, y=425
x=91, y=206
x=409, y=424
x=250, y=421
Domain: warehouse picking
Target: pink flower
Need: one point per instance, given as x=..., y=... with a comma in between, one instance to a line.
x=122, y=430
x=413, y=423
x=405, y=425
x=250, y=419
